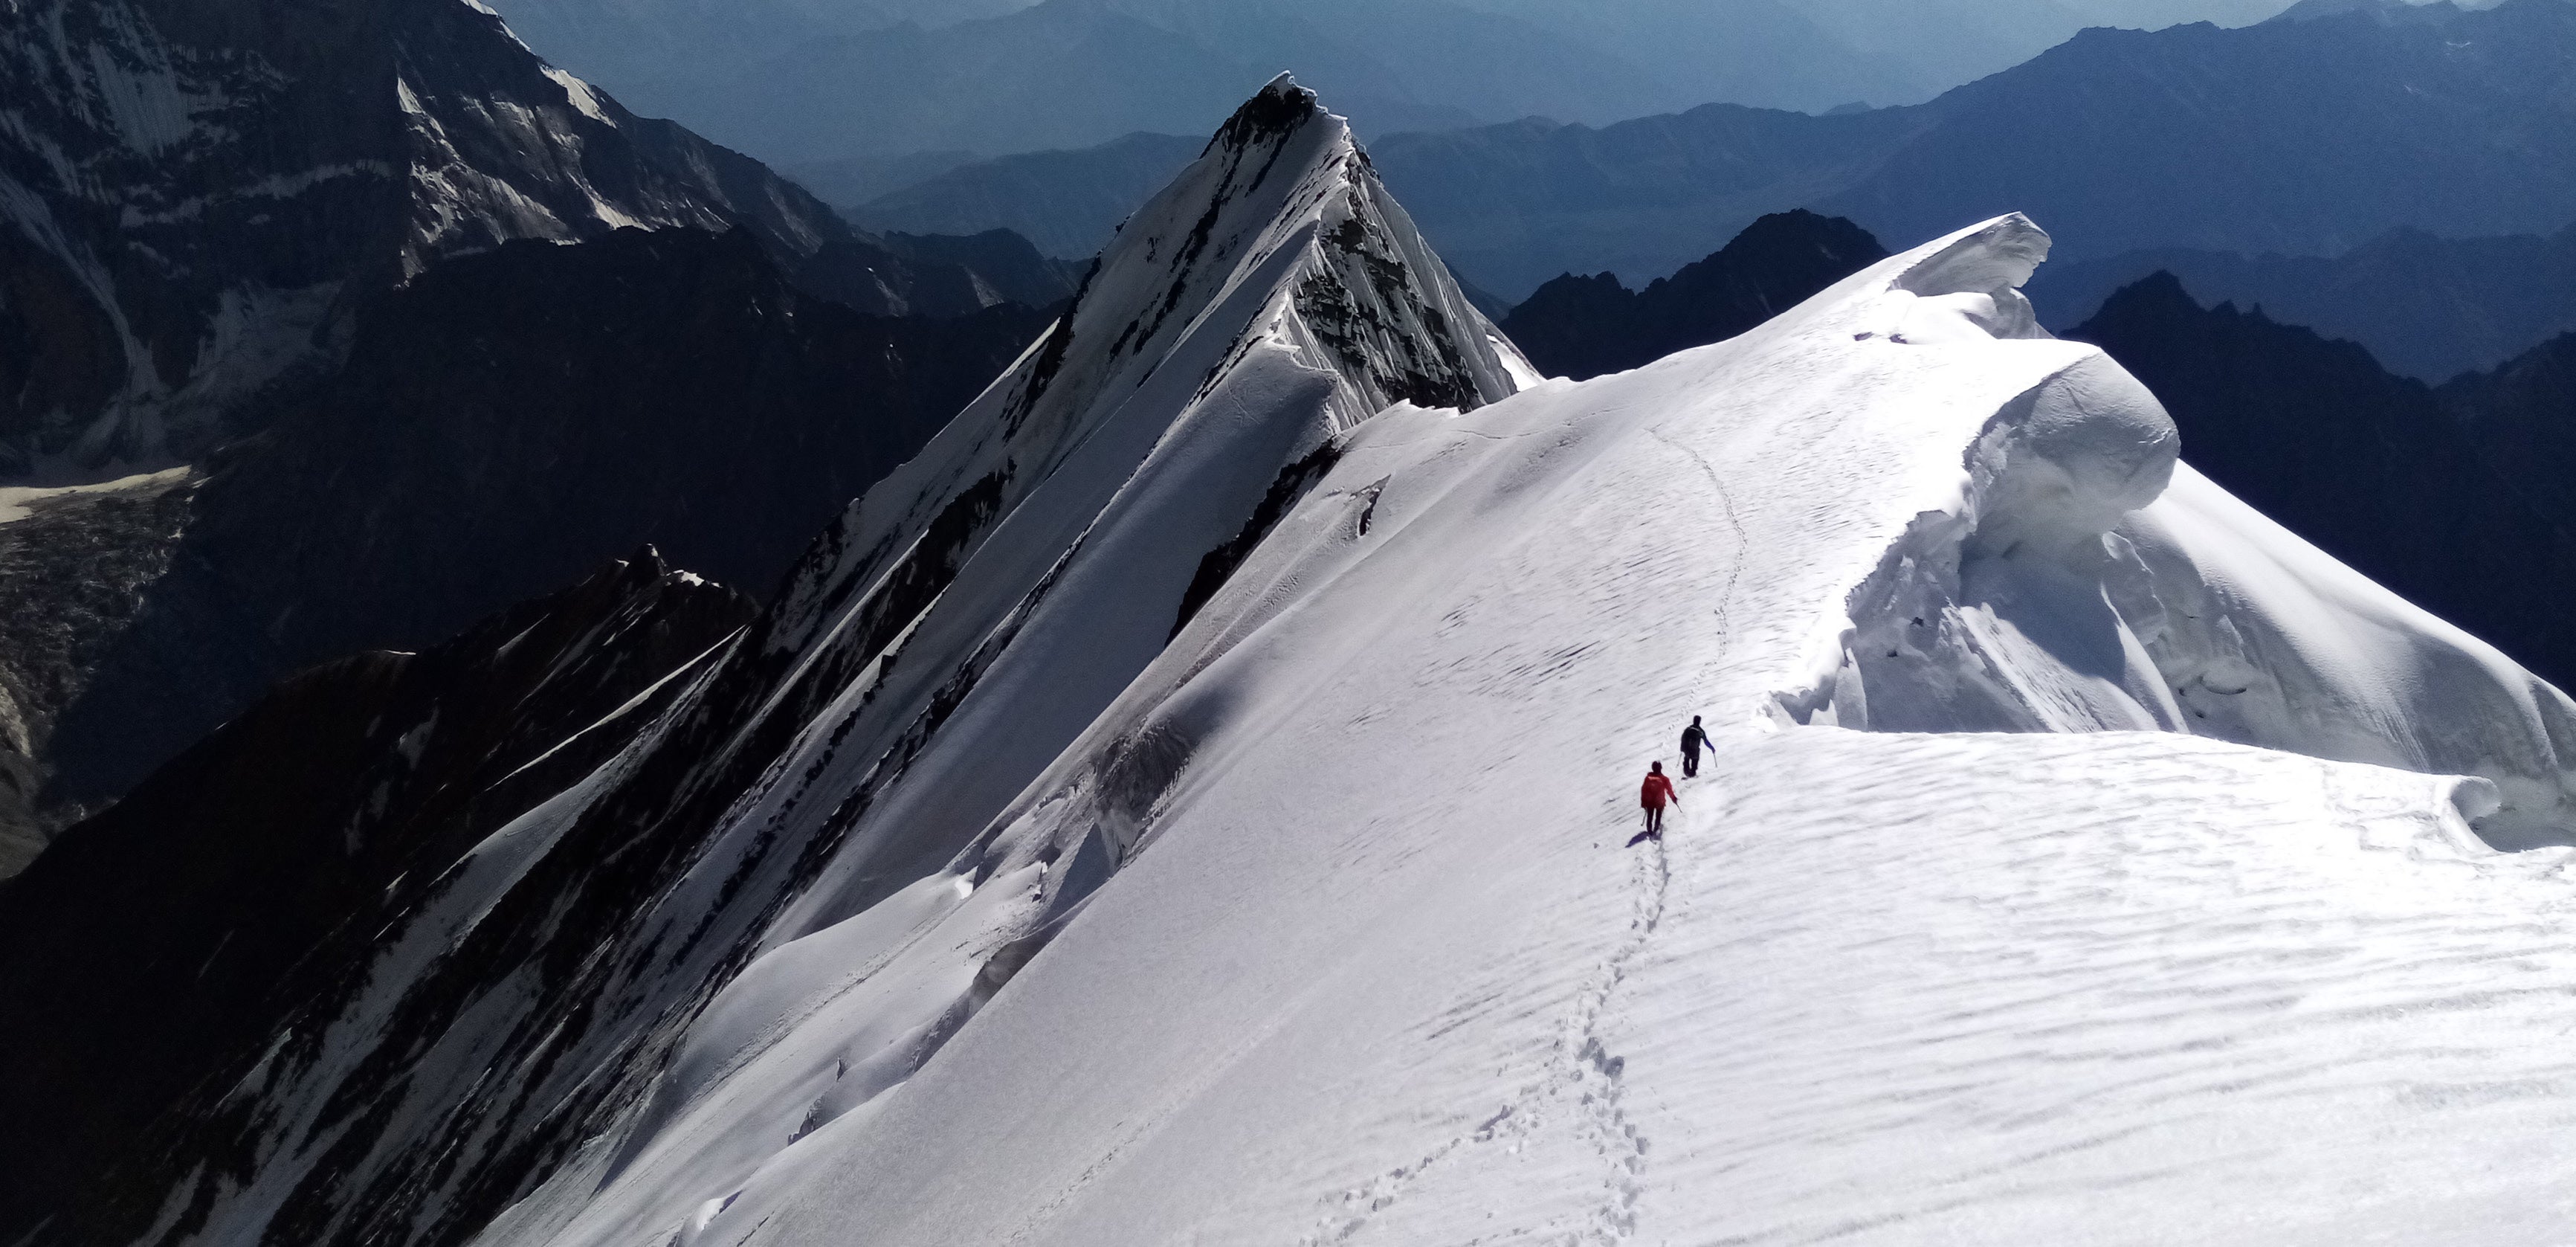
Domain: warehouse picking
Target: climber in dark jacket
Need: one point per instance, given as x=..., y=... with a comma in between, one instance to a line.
x=1694, y=739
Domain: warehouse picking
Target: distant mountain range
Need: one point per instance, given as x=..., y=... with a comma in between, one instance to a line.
x=2307, y=137
x=1067, y=202
x=1582, y=327
x=2428, y=307
x=871, y=83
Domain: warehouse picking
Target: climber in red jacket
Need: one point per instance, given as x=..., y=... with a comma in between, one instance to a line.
x=1657, y=792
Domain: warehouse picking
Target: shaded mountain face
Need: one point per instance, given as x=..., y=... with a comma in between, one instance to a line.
x=528, y=1025
x=2305, y=137
x=2522, y=417
x=2313, y=433
x=198, y=197
x=500, y=421
x=1582, y=327
x=2430, y=308
x=186, y=922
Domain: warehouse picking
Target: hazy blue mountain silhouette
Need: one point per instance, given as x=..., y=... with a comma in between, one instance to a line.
x=1067, y=202
x=2310, y=137
x=2306, y=137
x=2427, y=307
x=1073, y=73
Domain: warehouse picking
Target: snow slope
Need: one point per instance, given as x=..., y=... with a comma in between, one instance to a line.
x=955, y=904
x=1378, y=971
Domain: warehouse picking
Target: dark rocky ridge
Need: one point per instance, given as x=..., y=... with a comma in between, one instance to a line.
x=1582, y=327
x=503, y=422
x=203, y=194
x=2315, y=434
x=153, y=943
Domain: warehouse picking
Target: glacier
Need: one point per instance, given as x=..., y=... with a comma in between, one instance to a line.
x=1189, y=802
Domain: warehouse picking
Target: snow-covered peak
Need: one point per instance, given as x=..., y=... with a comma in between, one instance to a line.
x=1274, y=275
x=1281, y=224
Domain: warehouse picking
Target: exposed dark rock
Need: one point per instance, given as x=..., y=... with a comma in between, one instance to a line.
x=1582, y=327
x=1219, y=564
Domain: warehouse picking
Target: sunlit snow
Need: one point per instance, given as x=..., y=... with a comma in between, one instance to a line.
x=1308, y=914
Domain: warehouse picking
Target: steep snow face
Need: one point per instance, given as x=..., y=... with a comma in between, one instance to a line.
x=192, y=195
x=587, y=1018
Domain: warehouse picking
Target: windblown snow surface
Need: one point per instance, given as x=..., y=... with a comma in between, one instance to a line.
x=1377, y=968
x=2154, y=910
